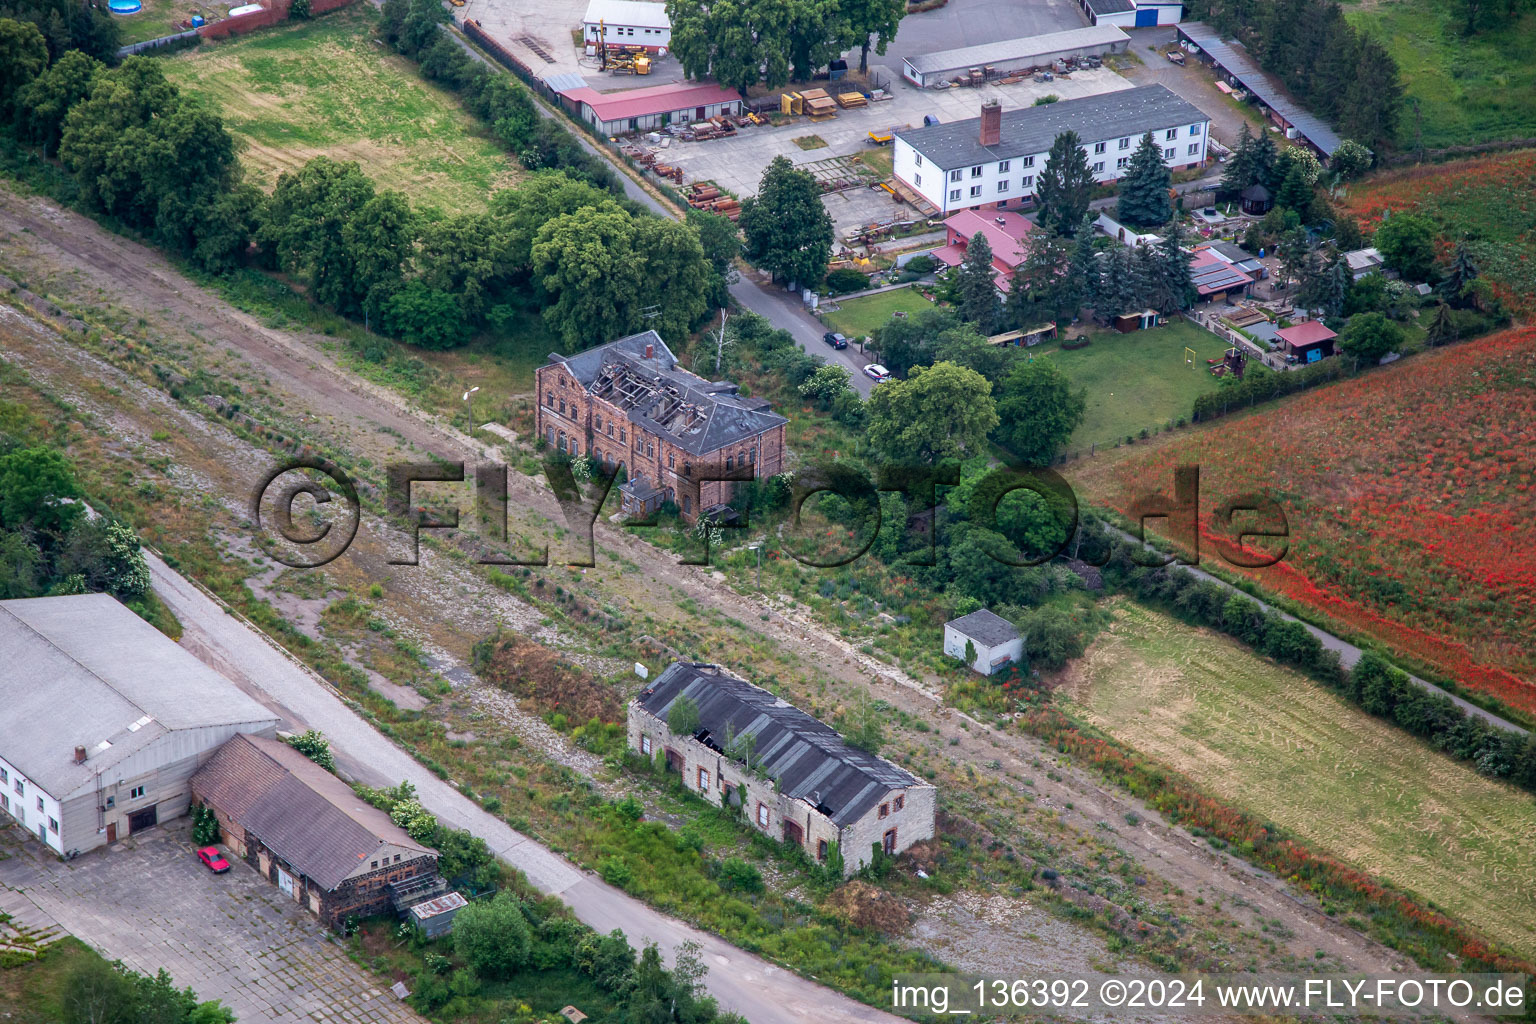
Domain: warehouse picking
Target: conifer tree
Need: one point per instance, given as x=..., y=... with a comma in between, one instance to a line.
x=1065, y=186
x=1143, y=192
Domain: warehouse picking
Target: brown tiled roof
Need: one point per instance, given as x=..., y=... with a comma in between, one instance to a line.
x=298, y=810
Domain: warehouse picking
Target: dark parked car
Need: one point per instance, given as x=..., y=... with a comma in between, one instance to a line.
x=835, y=339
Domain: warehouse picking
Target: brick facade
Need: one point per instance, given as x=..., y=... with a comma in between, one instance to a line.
x=572, y=421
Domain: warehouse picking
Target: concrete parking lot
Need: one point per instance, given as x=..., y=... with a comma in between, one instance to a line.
x=148, y=902
x=737, y=163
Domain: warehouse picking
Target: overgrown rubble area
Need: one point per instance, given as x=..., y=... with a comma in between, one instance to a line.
x=512, y=682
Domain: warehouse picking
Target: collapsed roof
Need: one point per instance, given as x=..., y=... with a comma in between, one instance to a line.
x=641, y=376
x=806, y=757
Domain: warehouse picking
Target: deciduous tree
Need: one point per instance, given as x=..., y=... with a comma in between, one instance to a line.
x=1370, y=336
x=1037, y=411
x=787, y=229
x=1407, y=245
x=939, y=412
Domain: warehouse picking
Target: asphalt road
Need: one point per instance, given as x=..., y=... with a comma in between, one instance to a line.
x=784, y=309
x=763, y=992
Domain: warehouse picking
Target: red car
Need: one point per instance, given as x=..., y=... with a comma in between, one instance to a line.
x=213, y=860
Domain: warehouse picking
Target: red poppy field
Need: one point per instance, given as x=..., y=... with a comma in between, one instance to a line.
x=1411, y=500
x=1488, y=203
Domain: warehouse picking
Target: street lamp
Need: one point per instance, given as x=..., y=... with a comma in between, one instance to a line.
x=470, y=409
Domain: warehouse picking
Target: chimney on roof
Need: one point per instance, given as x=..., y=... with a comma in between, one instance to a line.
x=650, y=351
x=991, y=123
x=79, y=755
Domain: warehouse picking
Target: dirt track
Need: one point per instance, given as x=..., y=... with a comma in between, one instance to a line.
x=114, y=282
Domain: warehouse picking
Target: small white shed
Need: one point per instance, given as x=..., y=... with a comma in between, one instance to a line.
x=996, y=643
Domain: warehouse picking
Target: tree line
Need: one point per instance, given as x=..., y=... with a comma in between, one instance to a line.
x=1333, y=69
x=740, y=43
x=162, y=163
x=1372, y=684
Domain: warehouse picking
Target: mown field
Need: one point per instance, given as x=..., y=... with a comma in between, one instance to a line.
x=1469, y=89
x=1488, y=204
x=328, y=88
x=1408, y=493
x=1135, y=381
x=1277, y=744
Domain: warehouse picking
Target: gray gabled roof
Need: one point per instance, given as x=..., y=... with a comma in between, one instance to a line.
x=1237, y=63
x=984, y=627
x=656, y=393
x=806, y=757
x=1019, y=51
x=86, y=671
x=1127, y=112
x=1103, y=7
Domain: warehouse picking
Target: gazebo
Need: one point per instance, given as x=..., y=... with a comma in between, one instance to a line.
x=1256, y=200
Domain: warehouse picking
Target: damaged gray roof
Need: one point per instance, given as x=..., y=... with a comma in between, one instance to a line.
x=699, y=416
x=984, y=625
x=806, y=757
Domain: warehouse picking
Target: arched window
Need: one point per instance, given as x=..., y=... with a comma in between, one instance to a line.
x=729, y=462
x=687, y=469
x=599, y=422
x=549, y=399
x=561, y=445
x=551, y=433
x=687, y=504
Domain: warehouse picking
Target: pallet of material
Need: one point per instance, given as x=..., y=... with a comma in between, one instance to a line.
x=849, y=100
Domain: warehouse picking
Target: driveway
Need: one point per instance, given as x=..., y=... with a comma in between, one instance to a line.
x=785, y=310
x=747, y=984
x=148, y=902
x=1192, y=81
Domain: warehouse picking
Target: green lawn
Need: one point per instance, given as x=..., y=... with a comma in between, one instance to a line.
x=158, y=18
x=859, y=317
x=328, y=88
x=31, y=993
x=1138, y=380
x=1470, y=90
x=1277, y=744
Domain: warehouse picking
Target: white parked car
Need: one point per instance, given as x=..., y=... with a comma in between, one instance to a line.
x=877, y=373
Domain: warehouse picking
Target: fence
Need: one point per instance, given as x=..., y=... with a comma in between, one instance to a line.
x=275, y=13
x=178, y=40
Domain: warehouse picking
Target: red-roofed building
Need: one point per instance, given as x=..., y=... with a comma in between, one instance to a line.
x=1215, y=278
x=1006, y=232
x=640, y=110
x=1308, y=342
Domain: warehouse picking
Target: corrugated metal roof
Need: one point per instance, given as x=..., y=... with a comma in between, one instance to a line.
x=1235, y=60
x=298, y=810
x=1126, y=112
x=123, y=683
x=1103, y=7
x=806, y=757
x=1018, y=51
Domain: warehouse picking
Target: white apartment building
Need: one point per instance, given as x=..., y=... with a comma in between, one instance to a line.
x=994, y=160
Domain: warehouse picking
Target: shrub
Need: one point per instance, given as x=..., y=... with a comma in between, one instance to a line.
x=315, y=747
x=492, y=936
x=740, y=876
x=845, y=279
x=205, y=826
x=615, y=872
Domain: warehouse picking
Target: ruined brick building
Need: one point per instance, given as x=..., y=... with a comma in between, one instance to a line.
x=792, y=776
x=678, y=437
